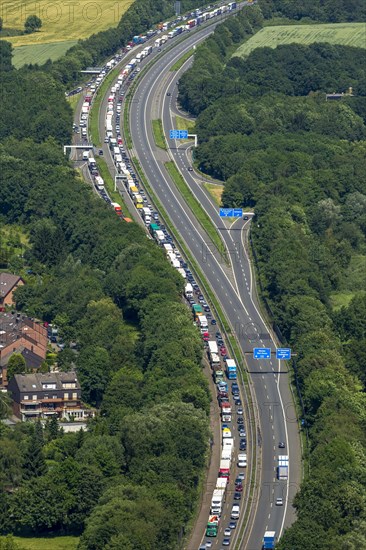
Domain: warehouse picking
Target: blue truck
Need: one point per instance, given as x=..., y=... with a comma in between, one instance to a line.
x=269, y=540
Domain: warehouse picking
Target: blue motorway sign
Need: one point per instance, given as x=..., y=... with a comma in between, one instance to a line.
x=283, y=353
x=178, y=134
x=231, y=212
x=262, y=353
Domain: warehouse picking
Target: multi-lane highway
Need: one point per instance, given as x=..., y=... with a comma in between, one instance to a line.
x=234, y=289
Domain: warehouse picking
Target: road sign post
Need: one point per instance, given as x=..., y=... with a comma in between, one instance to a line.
x=262, y=353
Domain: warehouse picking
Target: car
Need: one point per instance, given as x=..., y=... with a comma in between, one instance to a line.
x=227, y=532
x=279, y=501
x=206, y=308
x=190, y=169
x=242, y=460
x=237, y=402
x=208, y=315
x=220, y=342
x=242, y=432
x=243, y=446
x=208, y=544
x=245, y=217
x=213, y=321
x=218, y=335
x=223, y=426
x=226, y=542
x=240, y=420
x=106, y=140
x=238, y=486
x=232, y=524
x=241, y=475
x=101, y=152
x=237, y=495
x=281, y=445
x=159, y=49
x=239, y=410
x=168, y=94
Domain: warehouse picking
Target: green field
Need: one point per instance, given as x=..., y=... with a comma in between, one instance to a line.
x=39, y=53
x=56, y=543
x=347, y=34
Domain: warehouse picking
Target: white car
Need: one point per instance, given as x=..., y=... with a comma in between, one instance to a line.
x=279, y=501
x=242, y=460
x=227, y=532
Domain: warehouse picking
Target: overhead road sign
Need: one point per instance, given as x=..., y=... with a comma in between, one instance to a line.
x=178, y=134
x=231, y=212
x=283, y=353
x=262, y=353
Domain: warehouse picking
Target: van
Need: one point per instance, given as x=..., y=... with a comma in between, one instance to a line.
x=235, y=512
x=85, y=155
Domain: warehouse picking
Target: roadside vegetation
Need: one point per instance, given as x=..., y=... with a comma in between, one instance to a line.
x=133, y=479
x=157, y=128
x=266, y=130
x=182, y=60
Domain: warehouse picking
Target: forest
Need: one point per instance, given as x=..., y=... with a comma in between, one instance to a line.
x=267, y=131
x=133, y=479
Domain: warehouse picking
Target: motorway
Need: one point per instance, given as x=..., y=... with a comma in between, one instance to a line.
x=234, y=287
x=235, y=290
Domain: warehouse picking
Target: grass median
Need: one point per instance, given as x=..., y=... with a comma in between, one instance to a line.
x=196, y=208
x=182, y=60
x=157, y=128
x=109, y=183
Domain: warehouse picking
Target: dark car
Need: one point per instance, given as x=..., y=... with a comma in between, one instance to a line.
x=237, y=402
x=168, y=94
x=237, y=495
x=245, y=217
x=281, y=445
x=240, y=420
x=232, y=524
x=101, y=152
x=206, y=308
x=190, y=169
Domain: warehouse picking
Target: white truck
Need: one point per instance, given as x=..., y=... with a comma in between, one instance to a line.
x=212, y=346
x=188, y=290
x=99, y=183
x=202, y=323
x=182, y=272
x=282, y=468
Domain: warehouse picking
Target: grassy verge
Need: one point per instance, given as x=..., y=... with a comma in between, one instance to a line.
x=182, y=123
x=182, y=60
x=109, y=183
x=73, y=101
x=215, y=191
x=195, y=206
x=56, y=543
x=157, y=128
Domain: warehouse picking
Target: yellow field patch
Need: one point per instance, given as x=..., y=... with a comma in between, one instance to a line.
x=216, y=191
x=62, y=20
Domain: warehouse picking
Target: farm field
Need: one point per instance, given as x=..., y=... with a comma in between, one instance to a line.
x=62, y=21
x=346, y=34
x=39, y=53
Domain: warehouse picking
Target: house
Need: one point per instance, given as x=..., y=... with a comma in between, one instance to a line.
x=39, y=396
x=8, y=284
x=21, y=334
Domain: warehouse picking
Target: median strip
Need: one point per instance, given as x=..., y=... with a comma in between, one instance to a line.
x=157, y=128
x=181, y=61
x=196, y=208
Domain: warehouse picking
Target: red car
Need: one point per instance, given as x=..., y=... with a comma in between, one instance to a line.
x=223, y=351
x=238, y=487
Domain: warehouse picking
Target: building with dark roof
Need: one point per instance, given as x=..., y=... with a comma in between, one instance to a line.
x=8, y=284
x=38, y=396
x=21, y=334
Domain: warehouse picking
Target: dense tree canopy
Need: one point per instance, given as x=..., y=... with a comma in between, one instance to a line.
x=266, y=130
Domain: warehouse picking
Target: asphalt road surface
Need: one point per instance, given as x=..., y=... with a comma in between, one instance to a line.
x=235, y=290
